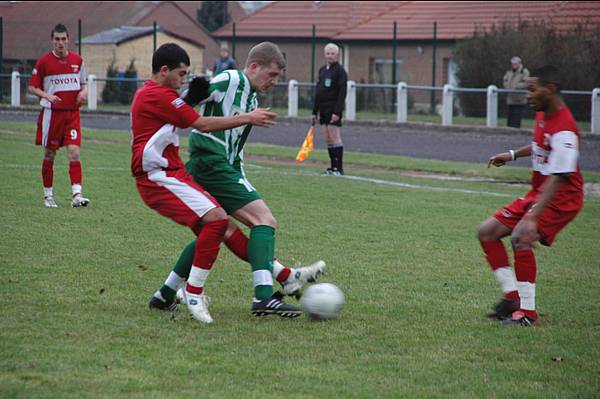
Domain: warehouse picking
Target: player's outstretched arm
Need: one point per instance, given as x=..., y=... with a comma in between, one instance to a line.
x=502, y=158
x=260, y=117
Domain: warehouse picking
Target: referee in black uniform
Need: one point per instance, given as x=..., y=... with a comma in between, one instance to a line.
x=329, y=103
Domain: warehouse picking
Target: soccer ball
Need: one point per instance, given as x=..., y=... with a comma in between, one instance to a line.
x=322, y=301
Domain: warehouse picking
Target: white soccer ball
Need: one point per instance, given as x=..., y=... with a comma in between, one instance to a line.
x=322, y=301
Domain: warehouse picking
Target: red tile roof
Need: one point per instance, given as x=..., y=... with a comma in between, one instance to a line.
x=373, y=20
x=295, y=18
x=27, y=24
x=458, y=19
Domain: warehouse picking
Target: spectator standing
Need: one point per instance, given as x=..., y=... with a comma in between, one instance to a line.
x=515, y=78
x=224, y=62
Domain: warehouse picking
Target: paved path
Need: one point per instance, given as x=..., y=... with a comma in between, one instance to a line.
x=468, y=144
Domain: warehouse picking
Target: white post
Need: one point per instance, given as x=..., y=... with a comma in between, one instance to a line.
x=447, y=105
x=596, y=111
x=351, y=101
x=491, y=119
x=15, y=89
x=402, y=104
x=293, y=98
x=92, y=92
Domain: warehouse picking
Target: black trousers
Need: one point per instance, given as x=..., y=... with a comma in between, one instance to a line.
x=515, y=113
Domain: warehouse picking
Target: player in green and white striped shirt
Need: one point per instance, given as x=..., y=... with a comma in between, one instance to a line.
x=216, y=163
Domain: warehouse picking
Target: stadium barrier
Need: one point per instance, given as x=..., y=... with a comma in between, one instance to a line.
x=401, y=100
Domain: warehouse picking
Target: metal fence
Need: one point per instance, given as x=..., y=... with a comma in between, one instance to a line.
x=402, y=102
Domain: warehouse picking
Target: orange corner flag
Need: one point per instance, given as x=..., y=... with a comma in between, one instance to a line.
x=307, y=145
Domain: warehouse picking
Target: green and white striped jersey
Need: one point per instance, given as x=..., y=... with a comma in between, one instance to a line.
x=230, y=94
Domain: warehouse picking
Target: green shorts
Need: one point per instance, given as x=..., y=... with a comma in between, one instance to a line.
x=226, y=182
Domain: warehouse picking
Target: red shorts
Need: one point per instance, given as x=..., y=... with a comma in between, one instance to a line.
x=176, y=195
x=550, y=223
x=57, y=129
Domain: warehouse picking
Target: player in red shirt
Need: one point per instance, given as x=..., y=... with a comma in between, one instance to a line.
x=555, y=198
x=59, y=80
x=161, y=179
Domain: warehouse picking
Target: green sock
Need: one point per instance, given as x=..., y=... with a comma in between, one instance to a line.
x=261, y=251
x=182, y=268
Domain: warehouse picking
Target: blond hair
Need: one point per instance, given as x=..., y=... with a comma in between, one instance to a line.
x=264, y=54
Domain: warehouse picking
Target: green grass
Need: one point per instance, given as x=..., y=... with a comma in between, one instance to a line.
x=76, y=284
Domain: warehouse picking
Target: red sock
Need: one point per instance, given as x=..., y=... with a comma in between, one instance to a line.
x=75, y=172
x=205, y=255
x=525, y=271
x=496, y=254
x=208, y=243
x=48, y=172
x=525, y=266
x=283, y=275
x=511, y=296
x=238, y=244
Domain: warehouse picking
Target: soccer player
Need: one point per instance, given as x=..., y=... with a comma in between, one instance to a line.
x=59, y=80
x=555, y=198
x=329, y=104
x=161, y=179
x=216, y=162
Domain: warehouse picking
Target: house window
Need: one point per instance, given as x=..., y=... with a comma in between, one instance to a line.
x=382, y=71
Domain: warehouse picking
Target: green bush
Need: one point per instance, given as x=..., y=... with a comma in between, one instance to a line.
x=483, y=59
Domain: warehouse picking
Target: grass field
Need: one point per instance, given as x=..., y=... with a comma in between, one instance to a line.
x=76, y=282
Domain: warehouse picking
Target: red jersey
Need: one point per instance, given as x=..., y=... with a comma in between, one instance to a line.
x=61, y=77
x=156, y=112
x=555, y=150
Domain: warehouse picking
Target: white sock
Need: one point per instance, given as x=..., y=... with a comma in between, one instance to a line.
x=76, y=188
x=198, y=277
x=48, y=192
x=262, y=277
x=527, y=295
x=506, y=279
x=173, y=281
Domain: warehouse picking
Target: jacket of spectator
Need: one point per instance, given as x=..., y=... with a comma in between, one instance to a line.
x=516, y=80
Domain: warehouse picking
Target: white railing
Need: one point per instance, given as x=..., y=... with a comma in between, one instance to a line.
x=401, y=88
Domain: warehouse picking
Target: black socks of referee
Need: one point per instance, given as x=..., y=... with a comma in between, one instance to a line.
x=336, y=154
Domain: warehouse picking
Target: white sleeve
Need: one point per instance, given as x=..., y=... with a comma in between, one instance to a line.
x=82, y=75
x=564, y=153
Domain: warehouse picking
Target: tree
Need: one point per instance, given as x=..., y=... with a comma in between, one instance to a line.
x=128, y=88
x=483, y=59
x=213, y=14
x=110, y=94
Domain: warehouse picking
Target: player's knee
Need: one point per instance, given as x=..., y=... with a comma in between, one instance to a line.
x=517, y=243
x=49, y=155
x=214, y=215
x=483, y=233
x=74, y=154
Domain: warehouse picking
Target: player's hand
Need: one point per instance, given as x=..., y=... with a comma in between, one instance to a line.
x=499, y=159
x=334, y=118
x=81, y=98
x=198, y=91
x=314, y=119
x=53, y=99
x=262, y=117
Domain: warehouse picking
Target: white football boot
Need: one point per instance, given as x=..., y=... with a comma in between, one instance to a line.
x=198, y=306
x=49, y=202
x=302, y=275
x=79, y=200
